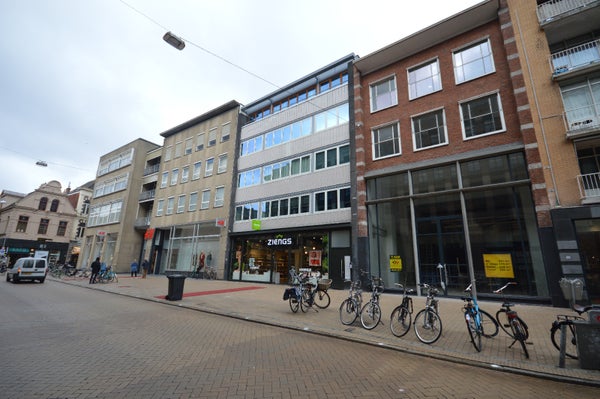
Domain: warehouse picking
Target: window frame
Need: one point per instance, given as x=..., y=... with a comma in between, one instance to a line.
x=205, y=199
x=461, y=50
x=374, y=144
x=413, y=80
x=443, y=126
x=219, y=200
x=496, y=95
x=373, y=96
x=181, y=203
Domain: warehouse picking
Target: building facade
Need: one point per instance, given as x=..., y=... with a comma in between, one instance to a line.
x=80, y=199
x=110, y=232
x=38, y=223
x=450, y=187
x=557, y=44
x=293, y=188
x=194, y=188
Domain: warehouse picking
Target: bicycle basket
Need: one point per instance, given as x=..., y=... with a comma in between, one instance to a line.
x=324, y=284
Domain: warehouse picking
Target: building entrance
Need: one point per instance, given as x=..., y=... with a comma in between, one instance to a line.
x=588, y=237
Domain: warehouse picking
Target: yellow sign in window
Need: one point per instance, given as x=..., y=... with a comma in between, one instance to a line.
x=395, y=263
x=498, y=266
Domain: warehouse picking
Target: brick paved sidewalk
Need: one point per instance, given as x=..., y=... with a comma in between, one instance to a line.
x=264, y=303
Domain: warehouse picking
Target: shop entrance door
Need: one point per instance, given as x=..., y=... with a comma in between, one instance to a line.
x=441, y=241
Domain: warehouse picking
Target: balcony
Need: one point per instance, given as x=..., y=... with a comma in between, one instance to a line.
x=151, y=169
x=589, y=187
x=565, y=19
x=142, y=223
x=582, y=122
x=147, y=195
x=551, y=10
x=575, y=60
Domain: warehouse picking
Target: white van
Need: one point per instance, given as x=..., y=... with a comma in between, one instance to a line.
x=28, y=269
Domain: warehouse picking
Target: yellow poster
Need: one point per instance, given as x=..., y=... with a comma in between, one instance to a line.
x=395, y=263
x=498, y=266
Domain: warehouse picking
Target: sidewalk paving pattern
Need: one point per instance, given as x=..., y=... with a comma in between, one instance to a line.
x=264, y=304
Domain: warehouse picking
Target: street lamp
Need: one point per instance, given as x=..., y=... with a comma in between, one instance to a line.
x=174, y=41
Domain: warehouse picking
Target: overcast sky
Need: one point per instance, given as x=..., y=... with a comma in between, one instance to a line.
x=80, y=78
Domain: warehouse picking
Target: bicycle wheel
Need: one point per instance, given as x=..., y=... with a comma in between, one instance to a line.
x=322, y=299
x=474, y=331
x=370, y=315
x=504, y=323
x=294, y=304
x=519, y=332
x=307, y=300
x=428, y=326
x=489, y=325
x=400, y=321
x=348, y=311
x=571, y=343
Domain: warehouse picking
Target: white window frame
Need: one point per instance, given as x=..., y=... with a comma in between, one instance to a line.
x=164, y=182
x=473, y=99
x=188, y=146
x=222, y=164
x=212, y=137
x=174, y=176
x=170, y=205
x=422, y=80
x=205, y=199
x=159, y=207
x=185, y=174
x=375, y=87
x=397, y=142
x=197, y=170
x=178, y=149
x=181, y=203
x=225, y=132
x=200, y=141
x=219, y=197
x=193, y=203
x=415, y=118
x=459, y=62
x=209, y=166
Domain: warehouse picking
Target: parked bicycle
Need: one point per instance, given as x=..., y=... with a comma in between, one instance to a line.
x=479, y=322
x=370, y=314
x=351, y=306
x=510, y=322
x=428, y=324
x=401, y=316
x=207, y=272
x=568, y=322
x=107, y=276
x=320, y=295
x=302, y=293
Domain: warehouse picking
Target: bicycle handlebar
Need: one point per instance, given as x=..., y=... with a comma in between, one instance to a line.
x=499, y=290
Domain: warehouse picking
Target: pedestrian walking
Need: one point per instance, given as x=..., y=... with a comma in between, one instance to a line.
x=145, y=267
x=134, y=268
x=95, y=270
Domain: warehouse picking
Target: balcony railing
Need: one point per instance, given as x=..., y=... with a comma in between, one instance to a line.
x=589, y=185
x=142, y=222
x=151, y=169
x=575, y=57
x=551, y=9
x=146, y=195
x=583, y=118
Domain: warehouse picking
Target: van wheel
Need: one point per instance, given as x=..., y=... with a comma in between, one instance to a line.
x=15, y=279
x=7, y=277
x=42, y=280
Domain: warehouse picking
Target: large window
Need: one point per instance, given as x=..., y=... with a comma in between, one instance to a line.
x=249, y=178
x=181, y=203
x=110, y=186
x=332, y=199
x=482, y=116
x=197, y=170
x=582, y=104
x=205, y=201
x=429, y=129
x=384, y=94
x=108, y=165
x=208, y=167
x=424, y=79
x=386, y=141
x=193, y=202
x=159, y=207
x=22, y=224
x=62, y=228
x=219, y=196
x=222, y=165
x=185, y=174
x=170, y=205
x=174, y=176
x=43, y=203
x=164, y=179
x=473, y=61
x=44, y=223
x=332, y=157
x=105, y=213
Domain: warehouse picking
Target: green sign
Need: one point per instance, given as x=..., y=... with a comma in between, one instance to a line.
x=255, y=224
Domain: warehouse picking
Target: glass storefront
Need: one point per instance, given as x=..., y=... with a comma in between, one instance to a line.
x=269, y=257
x=449, y=222
x=186, y=247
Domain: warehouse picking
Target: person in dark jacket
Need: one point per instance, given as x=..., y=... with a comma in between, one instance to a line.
x=95, y=270
x=145, y=267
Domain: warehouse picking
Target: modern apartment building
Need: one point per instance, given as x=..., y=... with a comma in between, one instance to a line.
x=450, y=184
x=293, y=195
x=557, y=44
x=38, y=223
x=193, y=194
x=110, y=232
